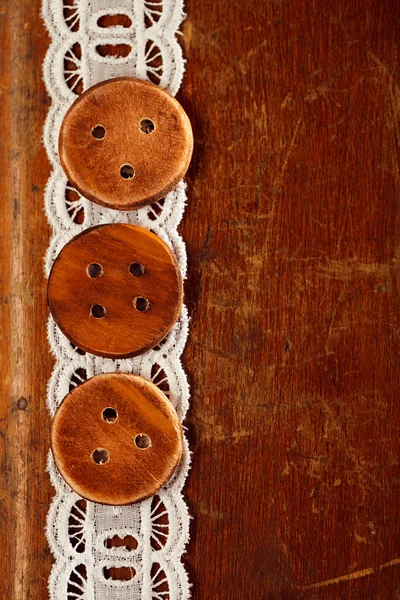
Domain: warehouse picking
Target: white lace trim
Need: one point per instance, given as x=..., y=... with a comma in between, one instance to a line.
x=78, y=530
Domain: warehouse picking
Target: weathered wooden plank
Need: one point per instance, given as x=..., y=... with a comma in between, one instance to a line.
x=292, y=230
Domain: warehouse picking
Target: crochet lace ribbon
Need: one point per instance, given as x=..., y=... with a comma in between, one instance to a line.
x=105, y=552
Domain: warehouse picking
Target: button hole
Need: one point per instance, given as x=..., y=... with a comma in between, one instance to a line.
x=127, y=172
x=142, y=441
x=100, y=456
x=147, y=126
x=94, y=270
x=141, y=304
x=98, y=132
x=98, y=311
x=137, y=269
x=109, y=415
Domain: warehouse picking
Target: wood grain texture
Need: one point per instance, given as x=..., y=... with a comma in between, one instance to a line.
x=25, y=364
x=293, y=238
x=293, y=241
x=116, y=439
x=115, y=290
x=109, y=153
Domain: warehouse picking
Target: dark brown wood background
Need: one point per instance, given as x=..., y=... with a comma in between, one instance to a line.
x=293, y=232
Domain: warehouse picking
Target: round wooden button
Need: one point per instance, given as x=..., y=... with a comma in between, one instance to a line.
x=125, y=143
x=115, y=290
x=116, y=439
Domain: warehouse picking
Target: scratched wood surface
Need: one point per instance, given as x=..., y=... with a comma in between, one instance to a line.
x=293, y=231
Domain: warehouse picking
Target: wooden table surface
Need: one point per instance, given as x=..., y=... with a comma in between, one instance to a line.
x=293, y=232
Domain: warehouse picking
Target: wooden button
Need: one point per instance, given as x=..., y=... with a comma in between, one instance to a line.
x=116, y=439
x=125, y=143
x=115, y=290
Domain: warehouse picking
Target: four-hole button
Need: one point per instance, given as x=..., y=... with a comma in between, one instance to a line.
x=115, y=290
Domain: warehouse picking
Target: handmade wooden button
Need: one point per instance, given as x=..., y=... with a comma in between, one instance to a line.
x=116, y=439
x=115, y=290
x=125, y=143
